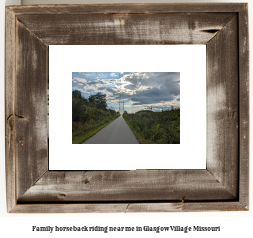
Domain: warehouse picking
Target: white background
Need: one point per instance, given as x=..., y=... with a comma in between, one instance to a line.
x=190, y=61
x=233, y=224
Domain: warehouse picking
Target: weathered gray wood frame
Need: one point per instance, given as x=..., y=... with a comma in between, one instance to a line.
x=222, y=186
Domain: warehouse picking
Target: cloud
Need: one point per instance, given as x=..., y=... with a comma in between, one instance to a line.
x=169, y=82
x=80, y=80
x=108, y=89
x=135, y=88
x=94, y=82
x=152, y=88
x=151, y=96
x=130, y=87
x=113, y=80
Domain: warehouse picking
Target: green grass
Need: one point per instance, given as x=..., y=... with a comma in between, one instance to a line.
x=89, y=115
x=84, y=131
x=155, y=127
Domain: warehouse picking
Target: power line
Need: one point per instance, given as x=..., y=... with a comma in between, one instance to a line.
x=120, y=91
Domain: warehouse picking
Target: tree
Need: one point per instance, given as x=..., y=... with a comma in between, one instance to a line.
x=101, y=101
x=78, y=106
x=112, y=111
x=92, y=100
x=76, y=94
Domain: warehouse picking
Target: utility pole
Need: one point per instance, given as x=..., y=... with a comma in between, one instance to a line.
x=123, y=107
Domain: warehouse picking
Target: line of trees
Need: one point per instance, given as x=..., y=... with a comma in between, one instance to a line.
x=89, y=115
x=91, y=108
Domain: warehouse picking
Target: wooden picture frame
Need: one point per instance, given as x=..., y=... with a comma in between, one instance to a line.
x=222, y=186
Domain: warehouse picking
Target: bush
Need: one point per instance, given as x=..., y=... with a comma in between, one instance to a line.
x=155, y=127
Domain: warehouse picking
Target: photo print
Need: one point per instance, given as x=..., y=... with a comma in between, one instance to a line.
x=126, y=108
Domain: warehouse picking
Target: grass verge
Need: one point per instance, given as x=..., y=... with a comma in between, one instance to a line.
x=139, y=136
x=155, y=127
x=85, y=131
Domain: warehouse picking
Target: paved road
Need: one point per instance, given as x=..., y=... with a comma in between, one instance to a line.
x=117, y=132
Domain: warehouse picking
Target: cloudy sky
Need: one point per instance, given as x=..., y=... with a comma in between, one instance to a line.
x=138, y=90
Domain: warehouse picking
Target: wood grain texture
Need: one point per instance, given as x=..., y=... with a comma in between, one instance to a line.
x=155, y=8
x=30, y=109
x=223, y=186
x=9, y=109
x=122, y=29
x=139, y=185
x=129, y=207
x=186, y=207
x=222, y=107
x=244, y=107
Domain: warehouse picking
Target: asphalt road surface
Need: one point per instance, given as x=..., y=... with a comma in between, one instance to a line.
x=117, y=132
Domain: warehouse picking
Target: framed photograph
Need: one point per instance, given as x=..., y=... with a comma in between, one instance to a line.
x=112, y=112
x=74, y=73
